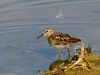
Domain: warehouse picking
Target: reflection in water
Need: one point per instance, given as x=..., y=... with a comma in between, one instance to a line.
x=22, y=21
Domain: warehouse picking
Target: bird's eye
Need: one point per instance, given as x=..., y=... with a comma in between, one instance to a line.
x=46, y=31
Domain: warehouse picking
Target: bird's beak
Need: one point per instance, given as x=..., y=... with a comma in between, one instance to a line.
x=40, y=36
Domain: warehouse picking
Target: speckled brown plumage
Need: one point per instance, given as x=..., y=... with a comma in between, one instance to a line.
x=59, y=40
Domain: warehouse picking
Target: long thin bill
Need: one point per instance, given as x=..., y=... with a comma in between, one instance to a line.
x=40, y=36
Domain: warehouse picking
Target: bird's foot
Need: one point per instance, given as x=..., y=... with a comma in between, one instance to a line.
x=69, y=54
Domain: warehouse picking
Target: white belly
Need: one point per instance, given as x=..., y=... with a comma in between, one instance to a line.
x=61, y=46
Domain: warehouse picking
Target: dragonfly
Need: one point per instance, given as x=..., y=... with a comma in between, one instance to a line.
x=58, y=16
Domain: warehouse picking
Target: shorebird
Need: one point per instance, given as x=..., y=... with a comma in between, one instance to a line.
x=59, y=40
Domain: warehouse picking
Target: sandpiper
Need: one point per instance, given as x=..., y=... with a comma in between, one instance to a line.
x=59, y=40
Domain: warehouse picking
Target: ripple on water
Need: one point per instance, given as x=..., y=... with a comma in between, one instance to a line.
x=21, y=21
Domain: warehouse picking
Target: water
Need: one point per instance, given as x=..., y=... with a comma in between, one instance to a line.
x=21, y=21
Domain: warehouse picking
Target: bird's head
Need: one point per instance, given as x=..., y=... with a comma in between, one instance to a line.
x=47, y=32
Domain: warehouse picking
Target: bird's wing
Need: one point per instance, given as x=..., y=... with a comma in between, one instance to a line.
x=59, y=38
x=62, y=35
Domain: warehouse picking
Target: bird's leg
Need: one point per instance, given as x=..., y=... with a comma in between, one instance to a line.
x=59, y=54
x=69, y=53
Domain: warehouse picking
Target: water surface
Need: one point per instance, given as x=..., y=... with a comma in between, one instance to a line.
x=21, y=21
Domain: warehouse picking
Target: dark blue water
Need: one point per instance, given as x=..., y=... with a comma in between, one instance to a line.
x=21, y=21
